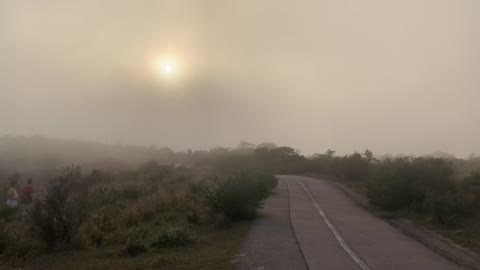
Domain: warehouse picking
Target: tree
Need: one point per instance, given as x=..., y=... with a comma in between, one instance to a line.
x=368, y=155
x=330, y=153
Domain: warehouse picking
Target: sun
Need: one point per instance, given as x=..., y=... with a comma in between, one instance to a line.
x=166, y=67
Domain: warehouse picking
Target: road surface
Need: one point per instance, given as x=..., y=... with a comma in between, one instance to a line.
x=309, y=224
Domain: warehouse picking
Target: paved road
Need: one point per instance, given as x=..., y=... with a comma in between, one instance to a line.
x=309, y=224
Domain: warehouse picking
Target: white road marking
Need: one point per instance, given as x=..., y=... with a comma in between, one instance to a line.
x=337, y=235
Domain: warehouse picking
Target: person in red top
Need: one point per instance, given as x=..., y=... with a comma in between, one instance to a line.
x=26, y=198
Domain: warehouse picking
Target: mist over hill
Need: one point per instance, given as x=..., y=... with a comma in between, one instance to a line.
x=36, y=154
x=43, y=156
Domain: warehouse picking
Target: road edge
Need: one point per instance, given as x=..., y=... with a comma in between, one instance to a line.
x=441, y=245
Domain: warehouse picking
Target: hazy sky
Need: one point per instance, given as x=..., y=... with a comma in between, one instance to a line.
x=398, y=76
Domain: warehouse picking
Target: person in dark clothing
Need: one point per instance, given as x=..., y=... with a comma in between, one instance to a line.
x=26, y=198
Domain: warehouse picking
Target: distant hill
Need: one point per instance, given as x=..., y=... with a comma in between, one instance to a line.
x=40, y=155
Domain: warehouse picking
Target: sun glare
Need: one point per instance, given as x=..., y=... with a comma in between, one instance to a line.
x=166, y=67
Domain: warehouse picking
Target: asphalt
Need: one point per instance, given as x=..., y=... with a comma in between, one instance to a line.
x=271, y=243
x=310, y=224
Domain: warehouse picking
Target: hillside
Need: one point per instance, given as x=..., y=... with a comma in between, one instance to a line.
x=40, y=155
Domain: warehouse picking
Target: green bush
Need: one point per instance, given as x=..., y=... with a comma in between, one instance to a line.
x=391, y=192
x=173, y=237
x=23, y=248
x=404, y=183
x=470, y=188
x=8, y=213
x=460, y=202
x=239, y=196
x=134, y=244
x=353, y=167
x=130, y=192
x=447, y=209
x=58, y=218
x=194, y=215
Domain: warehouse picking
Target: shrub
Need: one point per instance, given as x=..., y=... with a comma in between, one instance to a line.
x=194, y=214
x=460, y=202
x=134, y=243
x=133, y=249
x=353, y=167
x=102, y=196
x=131, y=217
x=130, y=192
x=101, y=221
x=8, y=213
x=239, y=196
x=59, y=217
x=179, y=236
x=23, y=248
x=390, y=192
x=17, y=239
x=470, y=188
x=4, y=237
x=444, y=209
x=404, y=183
x=195, y=187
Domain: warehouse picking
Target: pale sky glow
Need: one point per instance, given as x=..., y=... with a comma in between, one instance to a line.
x=400, y=76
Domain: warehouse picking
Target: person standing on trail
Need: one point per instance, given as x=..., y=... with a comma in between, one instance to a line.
x=26, y=198
x=12, y=195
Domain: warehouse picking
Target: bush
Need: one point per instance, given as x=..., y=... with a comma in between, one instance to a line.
x=353, y=167
x=130, y=192
x=17, y=239
x=460, y=202
x=404, y=183
x=470, y=188
x=133, y=249
x=239, y=196
x=134, y=243
x=173, y=237
x=447, y=209
x=391, y=192
x=195, y=215
x=58, y=218
x=4, y=237
x=101, y=221
x=23, y=248
x=8, y=213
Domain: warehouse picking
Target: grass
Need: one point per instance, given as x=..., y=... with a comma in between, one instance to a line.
x=132, y=223
x=213, y=250
x=468, y=235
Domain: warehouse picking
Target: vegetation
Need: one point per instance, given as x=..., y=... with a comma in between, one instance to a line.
x=173, y=237
x=177, y=202
x=441, y=193
x=239, y=196
x=58, y=217
x=152, y=209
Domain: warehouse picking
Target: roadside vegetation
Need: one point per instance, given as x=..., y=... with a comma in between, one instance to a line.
x=190, y=210
x=440, y=193
x=436, y=191
x=154, y=217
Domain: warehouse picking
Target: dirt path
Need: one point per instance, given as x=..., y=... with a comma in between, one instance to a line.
x=310, y=224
